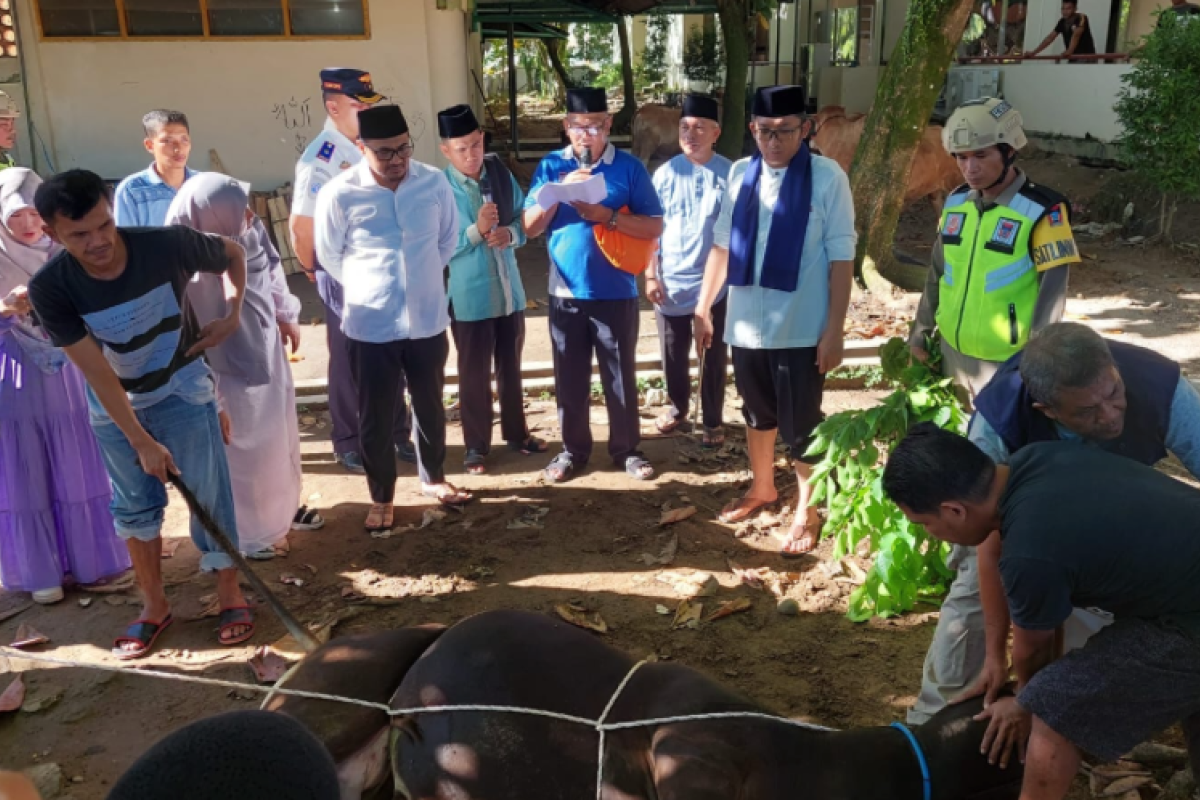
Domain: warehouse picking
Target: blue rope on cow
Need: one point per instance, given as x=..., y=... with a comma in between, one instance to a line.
x=927, y=783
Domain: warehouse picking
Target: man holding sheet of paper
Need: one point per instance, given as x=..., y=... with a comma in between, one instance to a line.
x=603, y=225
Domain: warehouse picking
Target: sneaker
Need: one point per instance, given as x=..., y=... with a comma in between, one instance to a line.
x=307, y=519
x=351, y=462
x=407, y=452
x=46, y=597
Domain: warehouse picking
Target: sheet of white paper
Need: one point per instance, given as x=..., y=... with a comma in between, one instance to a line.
x=593, y=190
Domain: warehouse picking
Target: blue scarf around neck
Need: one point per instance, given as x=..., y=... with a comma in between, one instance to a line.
x=789, y=226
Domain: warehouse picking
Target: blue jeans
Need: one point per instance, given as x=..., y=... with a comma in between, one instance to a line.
x=192, y=434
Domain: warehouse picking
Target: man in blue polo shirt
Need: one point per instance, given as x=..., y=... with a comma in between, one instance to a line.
x=142, y=199
x=593, y=304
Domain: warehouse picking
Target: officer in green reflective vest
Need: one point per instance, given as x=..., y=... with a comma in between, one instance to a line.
x=8, y=130
x=1000, y=263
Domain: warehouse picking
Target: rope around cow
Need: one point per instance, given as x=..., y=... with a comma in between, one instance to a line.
x=601, y=727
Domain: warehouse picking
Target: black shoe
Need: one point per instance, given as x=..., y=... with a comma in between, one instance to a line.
x=406, y=452
x=351, y=462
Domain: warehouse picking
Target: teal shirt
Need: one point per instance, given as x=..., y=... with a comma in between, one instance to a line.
x=484, y=281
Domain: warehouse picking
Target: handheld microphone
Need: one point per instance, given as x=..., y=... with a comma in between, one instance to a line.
x=585, y=158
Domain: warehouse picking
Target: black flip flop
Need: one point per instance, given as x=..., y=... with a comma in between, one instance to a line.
x=144, y=632
x=531, y=445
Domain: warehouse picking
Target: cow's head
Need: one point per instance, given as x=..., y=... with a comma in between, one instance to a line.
x=951, y=741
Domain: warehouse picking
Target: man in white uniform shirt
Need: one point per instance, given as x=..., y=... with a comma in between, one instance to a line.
x=334, y=150
x=385, y=230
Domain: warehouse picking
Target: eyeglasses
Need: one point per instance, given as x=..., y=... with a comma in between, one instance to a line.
x=590, y=130
x=782, y=134
x=386, y=154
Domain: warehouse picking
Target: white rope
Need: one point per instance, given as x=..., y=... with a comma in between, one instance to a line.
x=599, y=725
x=600, y=729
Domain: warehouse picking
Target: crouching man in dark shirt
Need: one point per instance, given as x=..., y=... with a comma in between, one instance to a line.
x=1080, y=528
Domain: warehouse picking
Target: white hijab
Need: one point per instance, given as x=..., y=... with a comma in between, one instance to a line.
x=19, y=262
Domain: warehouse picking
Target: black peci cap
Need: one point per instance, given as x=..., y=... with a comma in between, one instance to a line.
x=457, y=121
x=587, y=100
x=701, y=106
x=381, y=122
x=779, y=101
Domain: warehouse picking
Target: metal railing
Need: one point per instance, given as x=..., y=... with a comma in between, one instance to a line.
x=1097, y=58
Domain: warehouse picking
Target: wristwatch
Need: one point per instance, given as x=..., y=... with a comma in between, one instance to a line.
x=612, y=221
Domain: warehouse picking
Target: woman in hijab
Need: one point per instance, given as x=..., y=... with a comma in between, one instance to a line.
x=255, y=390
x=54, y=492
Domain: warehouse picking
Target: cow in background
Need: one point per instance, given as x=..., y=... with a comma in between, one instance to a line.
x=655, y=133
x=934, y=172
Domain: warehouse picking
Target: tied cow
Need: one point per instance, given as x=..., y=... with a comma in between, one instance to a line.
x=934, y=172
x=519, y=659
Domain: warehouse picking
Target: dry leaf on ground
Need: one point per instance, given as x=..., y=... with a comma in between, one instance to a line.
x=676, y=515
x=121, y=584
x=27, y=636
x=208, y=605
x=665, y=555
x=1122, y=785
x=267, y=665
x=687, y=615
x=13, y=696
x=729, y=607
x=578, y=616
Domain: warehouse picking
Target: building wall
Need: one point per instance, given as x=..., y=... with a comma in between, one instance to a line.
x=1037, y=89
x=257, y=103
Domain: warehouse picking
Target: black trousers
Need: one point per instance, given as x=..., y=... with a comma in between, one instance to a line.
x=781, y=389
x=675, y=343
x=609, y=328
x=343, y=395
x=377, y=370
x=482, y=344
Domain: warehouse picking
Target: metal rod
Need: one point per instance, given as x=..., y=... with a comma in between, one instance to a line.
x=512, y=91
x=778, y=32
x=202, y=515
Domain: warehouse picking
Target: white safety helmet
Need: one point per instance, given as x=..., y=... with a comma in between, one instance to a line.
x=8, y=107
x=980, y=124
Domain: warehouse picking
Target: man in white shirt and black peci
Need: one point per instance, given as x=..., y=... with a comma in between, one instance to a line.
x=385, y=230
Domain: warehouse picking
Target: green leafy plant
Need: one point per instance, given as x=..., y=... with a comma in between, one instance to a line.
x=703, y=56
x=1159, y=109
x=591, y=42
x=909, y=565
x=652, y=68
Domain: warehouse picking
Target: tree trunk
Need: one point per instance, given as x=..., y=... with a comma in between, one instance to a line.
x=734, y=16
x=623, y=121
x=550, y=48
x=905, y=98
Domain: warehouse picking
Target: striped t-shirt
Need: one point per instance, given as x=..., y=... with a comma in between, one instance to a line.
x=140, y=318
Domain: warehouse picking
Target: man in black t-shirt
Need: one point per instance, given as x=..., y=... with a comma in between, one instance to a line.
x=1080, y=528
x=1075, y=30
x=114, y=301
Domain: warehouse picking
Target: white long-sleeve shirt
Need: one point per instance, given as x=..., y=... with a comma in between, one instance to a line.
x=388, y=250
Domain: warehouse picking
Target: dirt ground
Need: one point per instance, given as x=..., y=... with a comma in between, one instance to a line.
x=586, y=546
